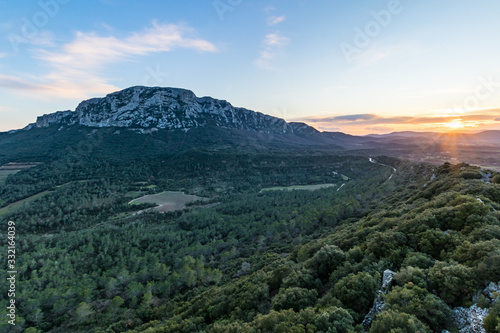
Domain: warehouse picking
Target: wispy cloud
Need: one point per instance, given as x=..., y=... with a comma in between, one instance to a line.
x=353, y=117
x=51, y=86
x=75, y=70
x=271, y=49
x=381, y=51
x=90, y=50
x=273, y=20
x=273, y=44
x=16, y=83
x=373, y=119
x=375, y=123
x=276, y=39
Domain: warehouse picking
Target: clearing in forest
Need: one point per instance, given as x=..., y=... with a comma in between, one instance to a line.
x=298, y=187
x=168, y=201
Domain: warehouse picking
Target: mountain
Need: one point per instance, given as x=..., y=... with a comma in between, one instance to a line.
x=145, y=122
x=146, y=109
x=142, y=122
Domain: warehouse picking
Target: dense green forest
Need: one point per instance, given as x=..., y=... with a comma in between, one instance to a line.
x=272, y=261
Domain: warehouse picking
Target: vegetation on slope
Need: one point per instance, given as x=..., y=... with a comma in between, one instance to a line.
x=276, y=261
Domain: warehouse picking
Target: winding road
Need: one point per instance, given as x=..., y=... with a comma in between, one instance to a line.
x=389, y=166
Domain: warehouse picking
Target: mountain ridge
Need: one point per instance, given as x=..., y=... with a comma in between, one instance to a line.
x=151, y=108
x=146, y=109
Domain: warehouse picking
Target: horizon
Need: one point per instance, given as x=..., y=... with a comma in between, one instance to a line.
x=366, y=68
x=452, y=131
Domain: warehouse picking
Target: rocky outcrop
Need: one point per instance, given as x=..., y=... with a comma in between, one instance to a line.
x=378, y=303
x=491, y=290
x=53, y=118
x=470, y=320
x=168, y=108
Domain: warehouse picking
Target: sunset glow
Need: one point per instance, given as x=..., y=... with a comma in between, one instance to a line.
x=310, y=61
x=455, y=124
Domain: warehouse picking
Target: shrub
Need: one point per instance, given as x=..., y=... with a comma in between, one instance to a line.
x=397, y=322
x=357, y=291
x=294, y=298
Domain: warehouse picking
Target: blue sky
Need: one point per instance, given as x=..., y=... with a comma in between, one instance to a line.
x=365, y=66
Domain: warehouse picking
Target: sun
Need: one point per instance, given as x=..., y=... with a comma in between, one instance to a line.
x=455, y=124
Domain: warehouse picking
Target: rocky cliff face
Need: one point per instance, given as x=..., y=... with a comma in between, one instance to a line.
x=167, y=108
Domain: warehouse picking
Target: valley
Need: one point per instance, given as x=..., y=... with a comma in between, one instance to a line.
x=258, y=226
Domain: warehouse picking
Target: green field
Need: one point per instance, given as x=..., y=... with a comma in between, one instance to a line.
x=167, y=201
x=5, y=173
x=298, y=187
x=19, y=204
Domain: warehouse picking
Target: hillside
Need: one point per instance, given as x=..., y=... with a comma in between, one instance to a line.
x=274, y=261
x=262, y=225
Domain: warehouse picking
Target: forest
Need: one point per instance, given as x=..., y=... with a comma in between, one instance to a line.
x=255, y=261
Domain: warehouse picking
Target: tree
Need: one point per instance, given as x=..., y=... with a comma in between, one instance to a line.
x=455, y=282
x=334, y=320
x=294, y=298
x=417, y=301
x=82, y=312
x=357, y=291
x=397, y=322
x=327, y=259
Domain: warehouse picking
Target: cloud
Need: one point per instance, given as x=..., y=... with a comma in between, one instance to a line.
x=377, y=53
x=347, y=118
x=373, y=119
x=50, y=86
x=273, y=20
x=373, y=123
x=2, y=55
x=90, y=51
x=276, y=39
x=16, y=83
x=75, y=69
x=271, y=48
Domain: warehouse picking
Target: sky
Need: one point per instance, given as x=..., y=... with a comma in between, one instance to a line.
x=358, y=67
